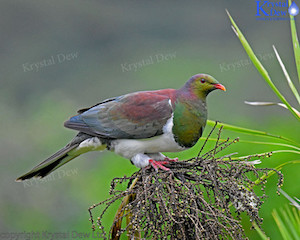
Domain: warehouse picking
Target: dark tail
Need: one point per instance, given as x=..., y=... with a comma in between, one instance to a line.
x=56, y=160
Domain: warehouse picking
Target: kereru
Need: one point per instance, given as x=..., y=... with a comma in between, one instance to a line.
x=138, y=126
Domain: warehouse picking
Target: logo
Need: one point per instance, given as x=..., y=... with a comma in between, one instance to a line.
x=271, y=10
x=293, y=9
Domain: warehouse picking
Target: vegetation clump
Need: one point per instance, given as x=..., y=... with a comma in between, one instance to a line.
x=199, y=198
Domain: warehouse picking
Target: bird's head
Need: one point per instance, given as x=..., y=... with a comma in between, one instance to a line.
x=203, y=84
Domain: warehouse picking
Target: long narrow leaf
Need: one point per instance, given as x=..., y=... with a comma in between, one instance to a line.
x=293, y=201
x=264, y=154
x=296, y=218
x=286, y=151
x=296, y=215
x=270, y=104
x=287, y=76
x=293, y=218
x=271, y=143
x=272, y=172
x=258, y=142
x=281, y=226
x=260, y=232
x=248, y=131
x=295, y=42
x=289, y=224
x=259, y=66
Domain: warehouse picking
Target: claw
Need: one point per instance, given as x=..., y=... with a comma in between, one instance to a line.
x=159, y=164
x=171, y=160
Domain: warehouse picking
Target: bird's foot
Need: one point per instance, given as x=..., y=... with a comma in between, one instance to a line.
x=160, y=164
x=171, y=159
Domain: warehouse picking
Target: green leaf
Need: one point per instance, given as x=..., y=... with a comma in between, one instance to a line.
x=260, y=232
x=259, y=66
x=270, y=104
x=287, y=76
x=249, y=131
x=297, y=217
x=293, y=201
x=281, y=226
x=292, y=218
x=272, y=144
x=295, y=42
x=261, y=143
x=264, y=154
x=272, y=172
x=289, y=224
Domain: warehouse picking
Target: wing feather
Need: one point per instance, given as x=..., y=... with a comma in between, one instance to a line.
x=133, y=116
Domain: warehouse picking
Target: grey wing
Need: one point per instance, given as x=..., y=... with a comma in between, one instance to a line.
x=132, y=116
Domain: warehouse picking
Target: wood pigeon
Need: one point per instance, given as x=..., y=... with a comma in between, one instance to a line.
x=138, y=126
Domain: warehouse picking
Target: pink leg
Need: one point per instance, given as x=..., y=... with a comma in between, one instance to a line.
x=160, y=164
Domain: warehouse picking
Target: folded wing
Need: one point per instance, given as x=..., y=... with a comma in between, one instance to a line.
x=133, y=116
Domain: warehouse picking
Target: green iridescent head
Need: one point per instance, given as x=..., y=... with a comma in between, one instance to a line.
x=203, y=84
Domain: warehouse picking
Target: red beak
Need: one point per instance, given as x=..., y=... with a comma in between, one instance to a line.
x=220, y=86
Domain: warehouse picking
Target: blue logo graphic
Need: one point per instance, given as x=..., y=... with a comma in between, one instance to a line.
x=279, y=10
x=293, y=9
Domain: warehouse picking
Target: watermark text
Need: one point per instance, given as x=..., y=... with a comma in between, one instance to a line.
x=58, y=174
x=224, y=67
x=153, y=59
x=49, y=235
x=49, y=61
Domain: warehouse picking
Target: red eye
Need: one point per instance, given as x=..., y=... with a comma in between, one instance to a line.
x=202, y=80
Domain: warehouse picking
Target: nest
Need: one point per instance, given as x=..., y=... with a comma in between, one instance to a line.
x=200, y=198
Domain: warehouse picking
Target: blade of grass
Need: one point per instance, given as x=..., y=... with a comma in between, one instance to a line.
x=286, y=151
x=270, y=143
x=272, y=172
x=293, y=201
x=259, y=66
x=295, y=42
x=257, y=142
x=270, y=104
x=260, y=232
x=289, y=224
x=281, y=226
x=265, y=154
x=296, y=213
x=291, y=216
x=248, y=131
x=291, y=84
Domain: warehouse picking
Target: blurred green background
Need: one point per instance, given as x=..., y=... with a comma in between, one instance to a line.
x=59, y=56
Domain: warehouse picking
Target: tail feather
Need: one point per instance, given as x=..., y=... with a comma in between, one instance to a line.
x=55, y=161
x=50, y=164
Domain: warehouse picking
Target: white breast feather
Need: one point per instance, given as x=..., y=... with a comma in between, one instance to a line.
x=128, y=148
